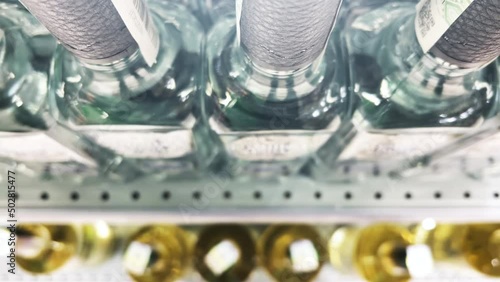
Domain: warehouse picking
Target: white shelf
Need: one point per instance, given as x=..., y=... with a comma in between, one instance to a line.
x=218, y=199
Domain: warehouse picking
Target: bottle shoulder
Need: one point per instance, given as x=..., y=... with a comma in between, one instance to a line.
x=161, y=94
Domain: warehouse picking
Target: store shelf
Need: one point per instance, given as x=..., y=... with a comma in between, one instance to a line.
x=297, y=199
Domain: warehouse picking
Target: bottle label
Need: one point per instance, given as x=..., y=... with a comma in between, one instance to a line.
x=394, y=147
x=137, y=19
x=275, y=147
x=34, y=147
x=146, y=145
x=434, y=17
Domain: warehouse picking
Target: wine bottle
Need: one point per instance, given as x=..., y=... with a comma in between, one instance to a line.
x=381, y=252
x=127, y=76
x=158, y=253
x=421, y=77
x=292, y=252
x=225, y=253
x=276, y=87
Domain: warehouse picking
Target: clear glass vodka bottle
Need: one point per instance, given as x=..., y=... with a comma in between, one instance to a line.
x=275, y=89
x=408, y=101
x=102, y=86
x=25, y=47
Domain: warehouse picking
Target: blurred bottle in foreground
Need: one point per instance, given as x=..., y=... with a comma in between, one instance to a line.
x=380, y=253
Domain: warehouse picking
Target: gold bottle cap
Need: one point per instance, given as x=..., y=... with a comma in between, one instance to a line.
x=157, y=253
x=45, y=248
x=387, y=253
x=292, y=252
x=225, y=253
x=98, y=243
x=481, y=248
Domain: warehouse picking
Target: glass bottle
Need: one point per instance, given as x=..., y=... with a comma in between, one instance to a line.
x=464, y=246
x=25, y=138
x=381, y=252
x=292, y=252
x=275, y=92
x=158, y=253
x=411, y=100
x=225, y=253
x=43, y=249
x=134, y=101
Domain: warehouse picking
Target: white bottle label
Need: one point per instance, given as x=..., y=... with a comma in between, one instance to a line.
x=392, y=147
x=137, y=19
x=34, y=147
x=146, y=145
x=434, y=17
x=275, y=147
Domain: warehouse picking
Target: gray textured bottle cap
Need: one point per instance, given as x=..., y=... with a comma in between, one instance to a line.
x=91, y=29
x=474, y=38
x=286, y=34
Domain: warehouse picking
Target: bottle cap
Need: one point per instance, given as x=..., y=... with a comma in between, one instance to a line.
x=91, y=29
x=285, y=35
x=473, y=40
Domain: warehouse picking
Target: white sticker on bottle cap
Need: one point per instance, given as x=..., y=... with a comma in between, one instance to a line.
x=222, y=257
x=434, y=18
x=137, y=19
x=137, y=258
x=304, y=256
x=419, y=260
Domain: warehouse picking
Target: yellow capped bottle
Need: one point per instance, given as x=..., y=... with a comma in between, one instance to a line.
x=482, y=248
x=158, y=254
x=42, y=249
x=292, y=252
x=454, y=246
x=380, y=253
x=225, y=253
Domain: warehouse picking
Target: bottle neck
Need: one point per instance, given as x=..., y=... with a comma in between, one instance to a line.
x=119, y=64
x=414, y=57
x=279, y=85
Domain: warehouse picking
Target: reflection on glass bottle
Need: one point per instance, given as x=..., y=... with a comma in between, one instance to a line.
x=380, y=253
x=158, y=253
x=225, y=253
x=42, y=249
x=135, y=102
x=25, y=51
x=411, y=100
x=292, y=252
x=274, y=84
x=455, y=246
